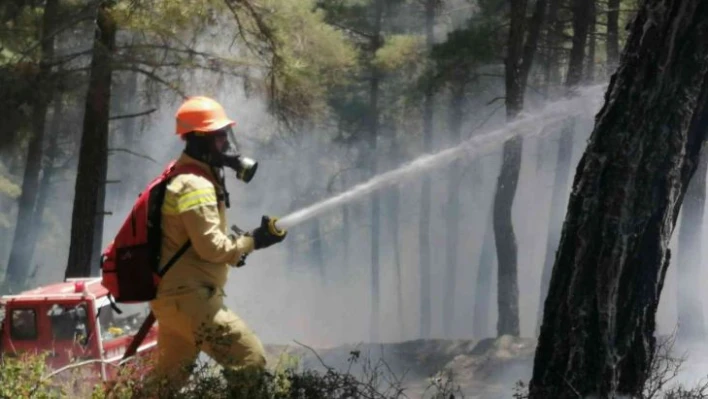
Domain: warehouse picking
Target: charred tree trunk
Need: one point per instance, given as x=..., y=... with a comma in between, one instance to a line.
x=597, y=337
x=376, y=43
x=20, y=255
x=88, y=209
x=691, y=324
x=452, y=216
x=517, y=66
x=612, y=35
x=426, y=192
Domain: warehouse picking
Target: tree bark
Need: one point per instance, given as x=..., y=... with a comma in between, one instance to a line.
x=20, y=254
x=691, y=323
x=376, y=43
x=612, y=44
x=452, y=212
x=597, y=336
x=426, y=191
x=87, y=215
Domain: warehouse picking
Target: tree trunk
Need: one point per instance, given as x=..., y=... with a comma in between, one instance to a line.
x=565, y=149
x=394, y=203
x=582, y=11
x=558, y=207
x=291, y=244
x=554, y=38
x=316, y=251
x=590, y=61
x=20, y=254
x=426, y=192
x=123, y=193
x=597, y=337
x=517, y=65
x=346, y=228
x=88, y=209
x=612, y=44
x=483, y=286
x=47, y=171
x=452, y=214
x=394, y=224
x=376, y=43
x=691, y=324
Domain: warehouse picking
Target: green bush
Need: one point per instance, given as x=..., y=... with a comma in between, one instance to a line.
x=27, y=376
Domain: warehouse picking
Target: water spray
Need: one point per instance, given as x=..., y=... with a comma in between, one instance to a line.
x=527, y=125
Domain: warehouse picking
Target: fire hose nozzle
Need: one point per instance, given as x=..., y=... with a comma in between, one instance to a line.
x=273, y=229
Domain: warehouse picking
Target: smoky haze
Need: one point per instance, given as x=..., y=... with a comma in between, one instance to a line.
x=282, y=292
x=305, y=289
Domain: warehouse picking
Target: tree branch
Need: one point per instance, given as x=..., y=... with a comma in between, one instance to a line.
x=127, y=151
x=495, y=99
x=154, y=77
x=126, y=116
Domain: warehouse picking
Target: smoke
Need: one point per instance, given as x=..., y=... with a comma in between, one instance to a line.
x=282, y=293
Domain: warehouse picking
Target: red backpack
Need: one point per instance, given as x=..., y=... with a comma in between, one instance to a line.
x=129, y=264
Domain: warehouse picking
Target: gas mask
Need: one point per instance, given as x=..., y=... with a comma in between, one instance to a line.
x=245, y=167
x=205, y=147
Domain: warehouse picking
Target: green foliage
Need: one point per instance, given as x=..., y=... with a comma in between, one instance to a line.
x=28, y=377
x=399, y=51
x=465, y=50
x=8, y=188
x=21, y=377
x=284, y=44
x=312, y=56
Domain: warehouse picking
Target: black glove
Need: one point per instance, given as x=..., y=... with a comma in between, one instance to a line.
x=238, y=232
x=267, y=234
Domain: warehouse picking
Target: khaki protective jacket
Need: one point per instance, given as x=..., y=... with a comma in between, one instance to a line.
x=194, y=209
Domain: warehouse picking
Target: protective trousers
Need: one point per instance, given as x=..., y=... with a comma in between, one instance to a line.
x=198, y=321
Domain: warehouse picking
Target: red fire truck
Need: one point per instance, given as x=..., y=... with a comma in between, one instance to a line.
x=72, y=321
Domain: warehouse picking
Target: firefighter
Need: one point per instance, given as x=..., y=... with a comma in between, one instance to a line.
x=189, y=306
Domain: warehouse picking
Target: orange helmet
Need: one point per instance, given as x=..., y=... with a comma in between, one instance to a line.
x=201, y=114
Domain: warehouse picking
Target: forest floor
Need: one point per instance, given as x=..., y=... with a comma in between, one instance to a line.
x=486, y=369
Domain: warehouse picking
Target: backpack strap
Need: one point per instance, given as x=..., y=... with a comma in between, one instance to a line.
x=175, y=258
